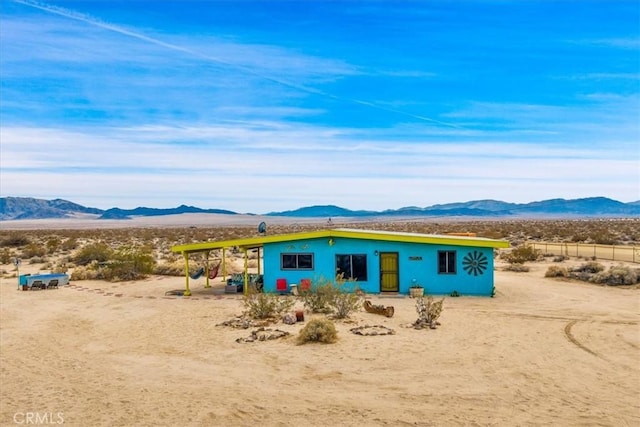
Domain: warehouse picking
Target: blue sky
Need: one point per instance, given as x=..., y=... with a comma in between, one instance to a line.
x=258, y=106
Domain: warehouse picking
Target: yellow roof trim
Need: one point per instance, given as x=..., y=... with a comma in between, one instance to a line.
x=389, y=236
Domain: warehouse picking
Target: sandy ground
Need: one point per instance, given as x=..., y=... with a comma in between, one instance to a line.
x=543, y=352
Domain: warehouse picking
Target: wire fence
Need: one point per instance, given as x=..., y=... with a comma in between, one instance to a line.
x=607, y=252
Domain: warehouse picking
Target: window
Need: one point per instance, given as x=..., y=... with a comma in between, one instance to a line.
x=447, y=262
x=296, y=261
x=352, y=266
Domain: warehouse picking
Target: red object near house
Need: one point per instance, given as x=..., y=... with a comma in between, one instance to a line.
x=281, y=285
x=305, y=284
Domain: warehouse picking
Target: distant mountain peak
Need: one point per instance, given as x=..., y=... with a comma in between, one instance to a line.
x=12, y=208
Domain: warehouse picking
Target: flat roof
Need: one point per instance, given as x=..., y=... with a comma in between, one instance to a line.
x=349, y=233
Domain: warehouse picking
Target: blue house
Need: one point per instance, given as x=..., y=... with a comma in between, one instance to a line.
x=374, y=261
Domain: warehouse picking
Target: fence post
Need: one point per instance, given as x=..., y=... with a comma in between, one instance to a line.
x=613, y=252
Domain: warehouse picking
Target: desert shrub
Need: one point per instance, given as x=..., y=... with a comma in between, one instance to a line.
x=128, y=263
x=169, y=269
x=318, y=299
x=428, y=312
x=260, y=305
x=516, y=267
x=33, y=250
x=84, y=273
x=69, y=244
x=99, y=252
x=37, y=260
x=53, y=243
x=590, y=267
x=522, y=254
x=616, y=275
x=318, y=330
x=5, y=256
x=556, y=271
x=560, y=258
x=59, y=268
x=346, y=300
x=15, y=240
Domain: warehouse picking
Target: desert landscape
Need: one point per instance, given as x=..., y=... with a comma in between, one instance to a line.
x=543, y=351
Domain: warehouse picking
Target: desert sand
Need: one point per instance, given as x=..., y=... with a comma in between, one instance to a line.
x=542, y=352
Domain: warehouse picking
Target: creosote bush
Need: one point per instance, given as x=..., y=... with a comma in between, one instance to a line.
x=260, y=305
x=339, y=299
x=616, y=275
x=318, y=298
x=591, y=267
x=556, y=271
x=522, y=254
x=318, y=330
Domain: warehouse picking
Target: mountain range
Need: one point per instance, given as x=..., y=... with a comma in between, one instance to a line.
x=15, y=208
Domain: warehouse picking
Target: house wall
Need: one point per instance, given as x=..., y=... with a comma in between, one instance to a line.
x=415, y=261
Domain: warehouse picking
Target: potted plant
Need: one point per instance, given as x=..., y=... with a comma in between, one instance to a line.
x=415, y=290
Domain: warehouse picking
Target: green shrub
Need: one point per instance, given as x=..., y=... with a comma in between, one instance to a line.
x=589, y=267
x=69, y=244
x=556, y=271
x=129, y=263
x=99, y=252
x=522, y=254
x=616, y=275
x=260, y=305
x=5, y=256
x=15, y=241
x=345, y=301
x=319, y=298
x=34, y=250
x=318, y=330
x=339, y=299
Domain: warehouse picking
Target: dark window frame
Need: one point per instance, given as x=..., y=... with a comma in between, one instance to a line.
x=297, y=256
x=362, y=271
x=448, y=264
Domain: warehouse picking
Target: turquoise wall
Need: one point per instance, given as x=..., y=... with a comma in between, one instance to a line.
x=416, y=261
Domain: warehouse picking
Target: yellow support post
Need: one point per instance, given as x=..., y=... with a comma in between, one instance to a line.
x=258, y=261
x=246, y=273
x=206, y=272
x=187, y=292
x=224, y=265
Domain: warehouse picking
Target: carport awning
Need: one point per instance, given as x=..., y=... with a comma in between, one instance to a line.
x=259, y=241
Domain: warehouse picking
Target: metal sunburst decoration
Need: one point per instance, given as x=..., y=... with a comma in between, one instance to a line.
x=475, y=263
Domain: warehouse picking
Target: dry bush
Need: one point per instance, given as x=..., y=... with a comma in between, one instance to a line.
x=556, y=271
x=15, y=240
x=33, y=250
x=84, y=273
x=318, y=299
x=616, y=275
x=266, y=306
x=169, y=269
x=318, y=330
x=590, y=267
x=346, y=298
x=522, y=254
x=517, y=268
x=428, y=312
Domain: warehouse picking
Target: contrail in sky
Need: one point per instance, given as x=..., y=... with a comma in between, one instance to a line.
x=67, y=13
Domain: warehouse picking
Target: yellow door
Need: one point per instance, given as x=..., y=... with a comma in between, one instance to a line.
x=389, y=272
